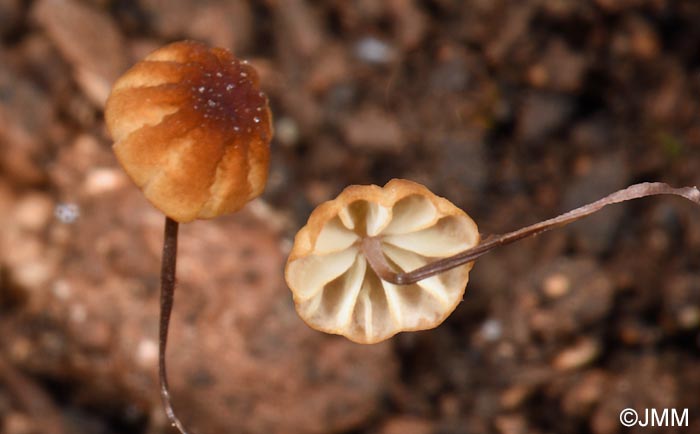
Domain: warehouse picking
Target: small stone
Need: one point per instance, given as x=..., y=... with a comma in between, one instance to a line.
x=67, y=212
x=689, y=317
x=372, y=50
x=644, y=42
x=582, y=353
x=103, y=179
x=287, y=131
x=33, y=275
x=514, y=396
x=34, y=211
x=146, y=353
x=556, y=285
x=62, y=290
x=491, y=330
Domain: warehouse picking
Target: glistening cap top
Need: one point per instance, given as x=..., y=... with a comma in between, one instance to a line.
x=192, y=129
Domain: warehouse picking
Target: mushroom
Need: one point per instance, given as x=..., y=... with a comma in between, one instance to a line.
x=337, y=292
x=192, y=130
x=377, y=261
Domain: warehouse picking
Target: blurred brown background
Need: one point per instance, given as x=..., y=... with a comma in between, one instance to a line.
x=514, y=110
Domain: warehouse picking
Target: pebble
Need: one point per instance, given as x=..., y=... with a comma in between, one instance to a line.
x=33, y=212
x=62, y=290
x=689, y=317
x=67, y=212
x=372, y=50
x=556, y=285
x=287, y=131
x=33, y=274
x=146, y=352
x=103, y=179
x=491, y=330
x=578, y=355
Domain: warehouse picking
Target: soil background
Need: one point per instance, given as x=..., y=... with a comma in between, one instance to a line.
x=514, y=110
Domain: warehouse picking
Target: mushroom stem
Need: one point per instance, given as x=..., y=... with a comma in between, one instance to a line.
x=167, y=294
x=372, y=247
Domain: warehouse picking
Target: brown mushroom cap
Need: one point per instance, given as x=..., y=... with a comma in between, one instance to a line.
x=192, y=129
x=336, y=291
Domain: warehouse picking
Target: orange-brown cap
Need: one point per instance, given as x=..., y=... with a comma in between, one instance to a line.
x=192, y=129
x=336, y=291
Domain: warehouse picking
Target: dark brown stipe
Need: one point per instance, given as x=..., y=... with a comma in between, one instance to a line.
x=371, y=246
x=167, y=294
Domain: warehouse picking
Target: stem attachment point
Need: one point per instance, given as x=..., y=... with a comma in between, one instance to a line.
x=371, y=246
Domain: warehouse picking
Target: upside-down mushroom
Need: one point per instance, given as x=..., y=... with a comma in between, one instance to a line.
x=192, y=130
x=335, y=288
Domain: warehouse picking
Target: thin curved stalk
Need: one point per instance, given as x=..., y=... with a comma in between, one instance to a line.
x=167, y=295
x=372, y=248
